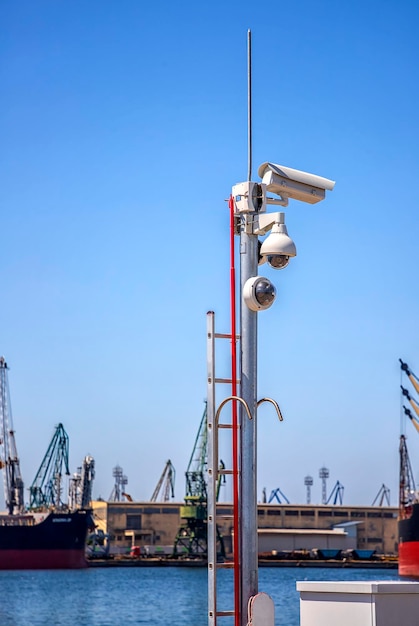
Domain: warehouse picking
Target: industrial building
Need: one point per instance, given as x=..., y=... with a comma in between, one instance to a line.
x=154, y=526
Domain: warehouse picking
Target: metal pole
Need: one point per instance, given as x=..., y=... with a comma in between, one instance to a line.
x=248, y=387
x=248, y=378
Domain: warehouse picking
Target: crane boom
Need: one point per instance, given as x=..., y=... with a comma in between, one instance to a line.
x=383, y=494
x=336, y=494
x=276, y=494
x=46, y=489
x=9, y=460
x=166, y=484
x=411, y=376
x=406, y=394
x=196, y=485
x=415, y=406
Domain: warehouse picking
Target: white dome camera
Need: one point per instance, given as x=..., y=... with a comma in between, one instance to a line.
x=278, y=247
x=259, y=293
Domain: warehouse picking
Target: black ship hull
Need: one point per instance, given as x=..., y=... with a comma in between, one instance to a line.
x=50, y=541
x=409, y=544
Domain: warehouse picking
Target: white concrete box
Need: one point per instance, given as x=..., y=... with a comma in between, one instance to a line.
x=359, y=603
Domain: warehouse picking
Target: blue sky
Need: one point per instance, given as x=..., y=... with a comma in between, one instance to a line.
x=123, y=129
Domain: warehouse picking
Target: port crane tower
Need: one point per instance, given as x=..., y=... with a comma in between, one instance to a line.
x=191, y=539
x=9, y=460
x=47, y=487
x=80, y=491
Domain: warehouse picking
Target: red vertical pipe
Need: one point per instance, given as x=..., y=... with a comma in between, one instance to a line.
x=236, y=543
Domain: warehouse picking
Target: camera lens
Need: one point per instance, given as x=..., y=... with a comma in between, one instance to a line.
x=265, y=292
x=278, y=261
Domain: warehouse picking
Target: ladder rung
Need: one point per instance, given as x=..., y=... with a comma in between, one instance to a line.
x=226, y=471
x=226, y=380
x=228, y=565
x=224, y=336
x=225, y=613
x=225, y=516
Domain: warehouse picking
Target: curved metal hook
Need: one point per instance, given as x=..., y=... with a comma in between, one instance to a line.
x=217, y=415
x=276, y=405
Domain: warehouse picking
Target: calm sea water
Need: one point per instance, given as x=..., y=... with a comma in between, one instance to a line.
x=151, y=596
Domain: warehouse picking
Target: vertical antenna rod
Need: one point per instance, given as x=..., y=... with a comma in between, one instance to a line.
x=249, y=105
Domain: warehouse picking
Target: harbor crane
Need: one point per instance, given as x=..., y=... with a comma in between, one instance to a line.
x=165, y=488
x=9, y=460
x=46, y=489
x=276, y=494
x=382, y=495
x=336, y=494
x=80, y=490
x=191, y=539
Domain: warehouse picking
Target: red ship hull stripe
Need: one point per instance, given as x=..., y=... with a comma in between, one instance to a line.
x=42, y=559
x=409, y=559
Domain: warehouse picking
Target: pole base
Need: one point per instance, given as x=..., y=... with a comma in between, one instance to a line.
x=261, y=610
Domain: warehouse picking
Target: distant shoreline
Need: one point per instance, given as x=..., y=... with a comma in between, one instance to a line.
x=305, y=563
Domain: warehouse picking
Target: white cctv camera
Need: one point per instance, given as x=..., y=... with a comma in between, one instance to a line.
x=289, y=183
x=278, y=247
x=249, y=197
x=259, y=293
